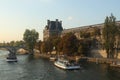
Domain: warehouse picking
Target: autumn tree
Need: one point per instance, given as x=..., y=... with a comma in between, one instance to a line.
x=84, y=34
x=44, y=48
x=60, y=46
x=84, y=47
x=38, y=45
x=69, y=42
x=96, y=32
x=49, y=45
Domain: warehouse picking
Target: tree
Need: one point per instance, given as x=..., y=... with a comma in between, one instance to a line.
x=96, y=32
x=70, y=42
x=55, y=42
x=30, y=37
x=84, y=34
x=38, y=45
x=109, y=34
x=12, y=43
x=60, y=45
x=84, y=47
x=117, y=43
x=49, y=45
x=44, y=48
x=80, y=49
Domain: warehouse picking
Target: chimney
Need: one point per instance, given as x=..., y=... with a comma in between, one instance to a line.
x=61, y=22
x=56, y=24
x=48, y=22
x=56, y=20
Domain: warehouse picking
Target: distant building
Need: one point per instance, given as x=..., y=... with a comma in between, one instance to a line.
x=53, y=28
x=97, y=49
x=88, y=28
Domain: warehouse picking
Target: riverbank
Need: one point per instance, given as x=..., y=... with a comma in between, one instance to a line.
x=88, y=59
x=110, y=62
x=42, y=55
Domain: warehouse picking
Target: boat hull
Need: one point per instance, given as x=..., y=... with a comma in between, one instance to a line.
x=66, y=67
x=52, y=58
x=11, y=60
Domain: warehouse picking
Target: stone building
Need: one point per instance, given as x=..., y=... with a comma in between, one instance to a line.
x=89, y=28
x=53, y=28
x=77, y=30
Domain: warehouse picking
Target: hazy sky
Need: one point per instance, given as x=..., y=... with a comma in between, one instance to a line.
x=18, y=15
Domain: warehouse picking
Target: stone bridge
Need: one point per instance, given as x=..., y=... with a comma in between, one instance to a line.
x=12, y=49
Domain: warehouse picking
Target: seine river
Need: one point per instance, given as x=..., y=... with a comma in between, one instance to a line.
x=29, y=68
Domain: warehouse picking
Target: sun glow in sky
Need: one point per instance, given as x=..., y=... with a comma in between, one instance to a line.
x=18, y=15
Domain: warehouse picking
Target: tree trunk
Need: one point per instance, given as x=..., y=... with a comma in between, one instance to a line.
x=31, y=51
x=117, y=51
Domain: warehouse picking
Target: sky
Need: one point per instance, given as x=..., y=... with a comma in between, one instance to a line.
x=18, y=15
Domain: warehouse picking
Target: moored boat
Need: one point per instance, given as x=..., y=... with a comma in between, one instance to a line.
x=52, y=58
x=11, y=57
x=115, y=64
x=65, y=64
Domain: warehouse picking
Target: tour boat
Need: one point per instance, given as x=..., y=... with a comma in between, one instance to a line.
x=11, y=58
x=65, y=64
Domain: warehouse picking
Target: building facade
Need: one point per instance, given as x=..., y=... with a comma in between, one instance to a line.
x=53, y=28
x=97, y=50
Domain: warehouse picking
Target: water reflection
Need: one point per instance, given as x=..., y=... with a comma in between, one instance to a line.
x=113, y=73
x=32, y=68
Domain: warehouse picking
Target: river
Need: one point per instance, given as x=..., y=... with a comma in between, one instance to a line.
x=30, y=68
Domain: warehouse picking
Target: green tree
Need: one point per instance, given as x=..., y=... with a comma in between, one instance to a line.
x=55, y=42
x=51, y=44
x=30, y=37
x=12, y=43
x=109, y=34
x=117, y=43
x=19, y=43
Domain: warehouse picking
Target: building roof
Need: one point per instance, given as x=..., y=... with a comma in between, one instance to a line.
x=77, y=29
x=54, y=25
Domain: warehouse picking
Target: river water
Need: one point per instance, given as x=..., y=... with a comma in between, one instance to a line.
x=30, y=68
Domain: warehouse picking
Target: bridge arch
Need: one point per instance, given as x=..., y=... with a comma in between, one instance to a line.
x=12, y=49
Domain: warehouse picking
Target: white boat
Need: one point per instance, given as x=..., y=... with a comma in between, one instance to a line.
x=65, y=64
x=11, y=60
x=52, y=58
x=115, y=64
